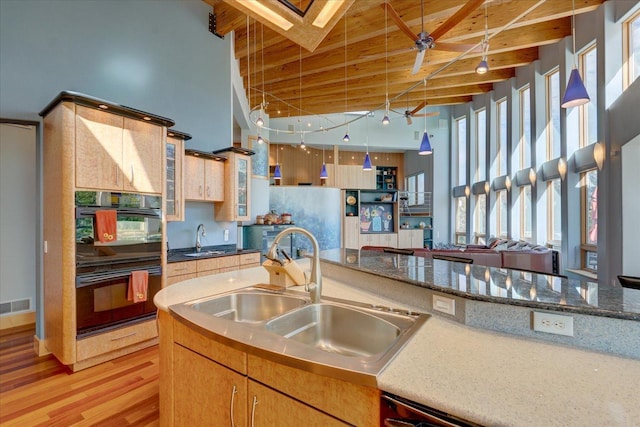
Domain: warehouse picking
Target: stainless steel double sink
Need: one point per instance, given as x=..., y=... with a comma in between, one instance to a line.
x=334, y=333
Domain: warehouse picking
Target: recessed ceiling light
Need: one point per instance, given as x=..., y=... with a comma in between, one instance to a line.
x=104, y=107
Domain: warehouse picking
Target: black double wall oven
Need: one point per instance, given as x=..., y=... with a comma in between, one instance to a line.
x=103, y=269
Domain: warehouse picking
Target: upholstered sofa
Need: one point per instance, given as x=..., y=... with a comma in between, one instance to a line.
x=499, y=253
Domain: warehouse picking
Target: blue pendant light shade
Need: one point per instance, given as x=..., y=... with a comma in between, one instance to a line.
x=323, y=172
x=576, y=94
x=425, y=145
x=385, y=120
x=346, y=137
x=366, y=166
x=482, y=67
x=260, y=140
x=276, y=172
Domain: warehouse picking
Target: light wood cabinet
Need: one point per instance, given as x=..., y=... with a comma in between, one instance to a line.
x=411, y=238
x=206, y=391
x=351, y=232
x=269, y=408
x=117, y=153
x=89, y=144
x=185, y=270
x=352, y=176
x=205, y=382
x=174, y=191
x=237, y=188
x=180, y=271
x=204, y=179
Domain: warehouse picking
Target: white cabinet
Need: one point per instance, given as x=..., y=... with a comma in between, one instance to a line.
x=410, y=238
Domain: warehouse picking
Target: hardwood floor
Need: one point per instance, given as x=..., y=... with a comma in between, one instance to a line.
x=39, y=391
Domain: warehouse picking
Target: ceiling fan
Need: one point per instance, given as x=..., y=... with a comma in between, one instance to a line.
x=408, y=114
x=425, y=40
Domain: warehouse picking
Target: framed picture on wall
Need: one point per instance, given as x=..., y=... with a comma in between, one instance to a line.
x=260, y=160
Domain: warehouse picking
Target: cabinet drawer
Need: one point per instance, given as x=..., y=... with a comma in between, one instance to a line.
x=217, y=263
x=249, y=258
x=206, y=346
x=180, y=268
x=228, y=261
x=180, y=278
x=113, y=340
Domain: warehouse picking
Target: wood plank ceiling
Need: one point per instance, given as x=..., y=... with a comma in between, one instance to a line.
x=352, y=65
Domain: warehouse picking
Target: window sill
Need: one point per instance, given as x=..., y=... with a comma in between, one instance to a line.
x=584, y=273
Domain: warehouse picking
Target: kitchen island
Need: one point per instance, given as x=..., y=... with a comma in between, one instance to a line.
x=483, y=376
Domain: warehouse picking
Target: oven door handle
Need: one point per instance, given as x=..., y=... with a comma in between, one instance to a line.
x=93, y=278
x=90, y=212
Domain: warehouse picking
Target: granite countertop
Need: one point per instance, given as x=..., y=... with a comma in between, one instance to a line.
x=482, y=376
x=498, y=285
x=177, y=255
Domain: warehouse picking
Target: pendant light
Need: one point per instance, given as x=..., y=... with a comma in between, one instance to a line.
x=575, y=94
x=385, y=119
x=366, y=166
x=345, y=138
x=260, y=140
x=277, y=175
x=425, y=145
x=483, y=67
x=323, y=171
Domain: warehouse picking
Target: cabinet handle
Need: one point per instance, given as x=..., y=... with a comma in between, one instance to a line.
x=132, y=175
x=253, y=410
x=208, y=191
x=233, y=395
x=117, y=175
x=124, y=336
x=200, y=189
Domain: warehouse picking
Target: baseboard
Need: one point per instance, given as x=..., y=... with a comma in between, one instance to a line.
x=18, y=319
x=39, y=347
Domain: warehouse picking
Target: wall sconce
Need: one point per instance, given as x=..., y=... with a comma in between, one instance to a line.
x=599, y=154
x=562, y=168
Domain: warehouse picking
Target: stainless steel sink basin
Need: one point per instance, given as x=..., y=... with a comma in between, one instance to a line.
x=337, y=329
x=248, y=306
x=345, y=339
x=203, y=254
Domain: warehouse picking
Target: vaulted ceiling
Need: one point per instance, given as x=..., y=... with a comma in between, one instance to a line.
x=363, y=52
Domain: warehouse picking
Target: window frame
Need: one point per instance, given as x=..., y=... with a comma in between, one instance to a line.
x=585, y=245
x=461, y=142
x=525, y=134
x=593, y=95
x=523, y=213
x=551, y=226
x=630, y=74
x=552, y=109
x=502, y=197
x=501, y=145
x=480, y=223
x=481, y=161
x=459, y=233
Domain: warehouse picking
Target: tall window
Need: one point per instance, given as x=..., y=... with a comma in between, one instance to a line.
x=415, y=189
x=632, y=52
x=501, y=140
x=589, y=220
x=589, y=111
x=553, y=114
x=526, y=209
x=480, y=219
x=461, y=220
x=461, y=142
x=481, y=146
x=501, y=214
x=554, y=213
x=525, y=128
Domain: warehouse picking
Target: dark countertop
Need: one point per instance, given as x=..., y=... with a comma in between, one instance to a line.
x=498, y=285
x=177, y=255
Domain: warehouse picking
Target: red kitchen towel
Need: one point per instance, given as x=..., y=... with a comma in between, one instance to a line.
x=106, y=225
x=138, y=286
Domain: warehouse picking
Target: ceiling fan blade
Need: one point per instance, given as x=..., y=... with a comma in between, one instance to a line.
x=399, y=22
x=418, y=63
x=458, y=47
x=454, y=19
x=432, y=114
x=418, y=108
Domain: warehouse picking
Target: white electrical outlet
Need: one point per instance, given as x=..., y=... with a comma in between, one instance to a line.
x=226, y=234
x=553, y=323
